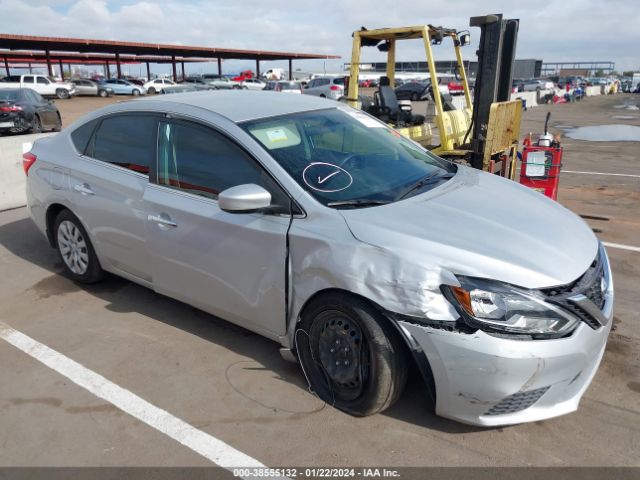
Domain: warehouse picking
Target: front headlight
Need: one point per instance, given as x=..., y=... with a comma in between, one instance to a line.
x=492, y=305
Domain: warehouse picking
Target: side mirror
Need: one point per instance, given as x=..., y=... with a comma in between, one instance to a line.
x=244, y=198
x=465, y=39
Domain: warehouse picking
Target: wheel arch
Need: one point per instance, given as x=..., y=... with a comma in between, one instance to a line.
x=53, y=211
x=418, y=358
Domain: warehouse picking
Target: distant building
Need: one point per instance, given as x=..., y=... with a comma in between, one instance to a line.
x=525, y=68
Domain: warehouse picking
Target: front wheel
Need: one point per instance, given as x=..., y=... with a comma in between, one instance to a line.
x=151, y=91
x=62, y=93
x=135, y=92
x=102, y=93
x=350, y=354
x=75, y=249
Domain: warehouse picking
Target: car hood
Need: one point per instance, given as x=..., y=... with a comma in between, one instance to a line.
x=481, y=225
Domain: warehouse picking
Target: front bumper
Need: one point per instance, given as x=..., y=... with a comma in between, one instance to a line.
x=488, y=380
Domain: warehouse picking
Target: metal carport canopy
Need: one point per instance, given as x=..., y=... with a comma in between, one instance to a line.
x=83, y=45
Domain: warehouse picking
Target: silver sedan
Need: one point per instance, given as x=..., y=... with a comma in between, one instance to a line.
x=355, y=249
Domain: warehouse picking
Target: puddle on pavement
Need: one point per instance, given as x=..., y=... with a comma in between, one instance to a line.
x=606, y=133
x=627, y=106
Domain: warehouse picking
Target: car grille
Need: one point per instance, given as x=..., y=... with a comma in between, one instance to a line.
x=589, y=285
x=517, y=402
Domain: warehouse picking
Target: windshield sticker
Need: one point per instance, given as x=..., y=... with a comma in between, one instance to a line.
x=326, y=177
x=277, y=135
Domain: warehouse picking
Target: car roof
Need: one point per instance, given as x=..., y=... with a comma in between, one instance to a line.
x=242, y=105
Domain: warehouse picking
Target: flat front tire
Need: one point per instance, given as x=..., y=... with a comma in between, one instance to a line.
x=75, y=249
x=352, y=357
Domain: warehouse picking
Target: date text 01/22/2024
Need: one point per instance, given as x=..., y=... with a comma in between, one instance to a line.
x=315, y=473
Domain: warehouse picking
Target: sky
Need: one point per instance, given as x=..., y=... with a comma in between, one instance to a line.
x=552, y=30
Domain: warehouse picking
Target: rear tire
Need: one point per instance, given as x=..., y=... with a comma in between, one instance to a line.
x=75, y=249
x=58, y=126
x=353, y=359
x=36, y=125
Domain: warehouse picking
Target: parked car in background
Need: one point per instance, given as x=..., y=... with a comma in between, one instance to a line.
x=25, y=110
x=270, y=85
x=253, y=84
x=536, y=84
x=158, y=84
x=135, y=80
x=42, y=84
x=124, y=87
x=86, y=87
x=413, y=91
x=326, y=87
x=197, y=83
x=221, y=82
x=287, y=86
x=359, y=251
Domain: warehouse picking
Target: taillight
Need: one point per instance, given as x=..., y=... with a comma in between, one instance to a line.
x=334, y=88
x=28, y=159
x=10, y=108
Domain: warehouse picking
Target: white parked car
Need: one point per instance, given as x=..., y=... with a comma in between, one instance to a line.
x=253, y=84
x=44, y=85
x=534, y=84
x=158, y=85
x=326, y=87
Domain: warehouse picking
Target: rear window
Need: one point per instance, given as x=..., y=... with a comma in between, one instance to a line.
x=289, y=86
x=81, y=135
x=338, y=81
x=10, y=95
x=126, y=140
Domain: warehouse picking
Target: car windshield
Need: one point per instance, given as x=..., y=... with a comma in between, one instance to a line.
x=345, y=157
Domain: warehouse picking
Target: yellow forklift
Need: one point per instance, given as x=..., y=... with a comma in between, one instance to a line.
x=484, y=133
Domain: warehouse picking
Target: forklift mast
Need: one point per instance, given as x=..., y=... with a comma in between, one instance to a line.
x=496, y=55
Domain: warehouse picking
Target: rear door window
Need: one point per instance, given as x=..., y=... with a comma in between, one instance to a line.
x=126, y=140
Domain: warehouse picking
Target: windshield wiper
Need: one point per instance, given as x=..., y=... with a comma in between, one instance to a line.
x=362, y=202
x=424, y=181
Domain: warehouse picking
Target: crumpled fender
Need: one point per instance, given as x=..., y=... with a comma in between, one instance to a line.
x=335, y=259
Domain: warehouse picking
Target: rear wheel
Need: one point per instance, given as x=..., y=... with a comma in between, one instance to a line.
x=36, y=125
x=58, y=126
x=352, y=357
x=75, y=249
x=62, y=93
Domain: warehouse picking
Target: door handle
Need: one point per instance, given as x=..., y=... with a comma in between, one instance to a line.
x=84, y=189
x=162, y=220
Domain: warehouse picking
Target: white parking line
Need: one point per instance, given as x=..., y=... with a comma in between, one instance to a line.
x=602, y=173
x=200, y=442
x=621, y=246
